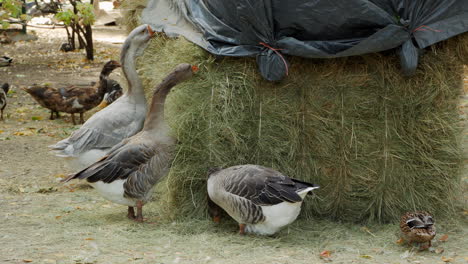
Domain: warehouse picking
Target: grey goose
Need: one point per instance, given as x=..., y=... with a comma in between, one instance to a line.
x=128, y=173
x=122, y=119
x=260, y=199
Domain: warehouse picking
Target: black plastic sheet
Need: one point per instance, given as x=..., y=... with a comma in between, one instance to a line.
x=272, y=29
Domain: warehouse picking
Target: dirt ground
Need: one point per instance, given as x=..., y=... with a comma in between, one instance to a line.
x=44, y=221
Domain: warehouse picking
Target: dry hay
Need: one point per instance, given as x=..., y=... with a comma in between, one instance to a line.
x=377, y=143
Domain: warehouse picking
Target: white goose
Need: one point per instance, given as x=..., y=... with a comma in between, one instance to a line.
x=122, y=119
x=260, y=199
x=129, y=172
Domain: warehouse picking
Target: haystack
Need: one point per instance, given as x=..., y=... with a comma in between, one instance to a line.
x=377, y=143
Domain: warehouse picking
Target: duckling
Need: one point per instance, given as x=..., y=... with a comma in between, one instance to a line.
x=418, y=227
x=260, y=199
x=73, y=99
x=5, y=61
x=128, y=173
x=3, y=98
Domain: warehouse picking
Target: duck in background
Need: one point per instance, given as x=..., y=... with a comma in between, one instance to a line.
x=122, y=119
x=260, y=199
x=129, y=172
x=73, y=99
x=5, y=61
x=3, y=98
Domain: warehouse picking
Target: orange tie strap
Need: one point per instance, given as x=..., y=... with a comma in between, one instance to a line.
x=426, y=28
x=277, y=53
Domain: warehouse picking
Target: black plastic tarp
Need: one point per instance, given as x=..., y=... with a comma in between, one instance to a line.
x=271, y=29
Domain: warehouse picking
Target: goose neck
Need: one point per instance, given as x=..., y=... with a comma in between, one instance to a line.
x=135, y=86
x=155, y=116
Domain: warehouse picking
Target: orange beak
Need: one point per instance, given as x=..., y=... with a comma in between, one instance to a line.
x=103, y=104
x=217, y=219
x=195, y=68
x=150, y=31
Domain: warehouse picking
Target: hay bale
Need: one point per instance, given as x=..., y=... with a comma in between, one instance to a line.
x=378, y=143
x=131, y=13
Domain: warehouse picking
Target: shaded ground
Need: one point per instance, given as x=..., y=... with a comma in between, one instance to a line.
x=43, y=221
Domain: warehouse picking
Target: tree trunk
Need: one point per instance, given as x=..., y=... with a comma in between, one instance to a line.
x=95, y=4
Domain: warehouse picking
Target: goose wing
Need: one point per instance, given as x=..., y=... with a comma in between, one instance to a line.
x=264, y=186
x=104, y=129
x=124, y=159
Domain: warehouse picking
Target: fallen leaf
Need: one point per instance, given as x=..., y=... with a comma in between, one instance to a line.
x=89, y=238
x=400, y=241
x=36, y=118
x=444, y=259
x=23, y=133
x=27, y=260
x=444, y=238
x=325, y=254
x=58, y=217
x=1, y=131
x=366, y=256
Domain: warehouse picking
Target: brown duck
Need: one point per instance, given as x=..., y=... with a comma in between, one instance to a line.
x=3, y=98
x=418, y=227
x=128, y=173
x=73, y=99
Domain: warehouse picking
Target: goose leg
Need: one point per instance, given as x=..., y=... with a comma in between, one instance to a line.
x=241, y=229
x=131, y=213
x=81, y=118
x=139, y=216
x=73, y=119
x=51, y=115
x=57, y=115
x=1, y=118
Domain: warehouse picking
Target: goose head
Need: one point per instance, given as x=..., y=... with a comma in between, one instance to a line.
x=137, y=40
x=182, y=72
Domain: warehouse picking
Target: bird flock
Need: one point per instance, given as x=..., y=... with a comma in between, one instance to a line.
x=125, y=149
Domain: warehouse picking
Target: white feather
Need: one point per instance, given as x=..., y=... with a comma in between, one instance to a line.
x=76, y=104
x=113, y=192
x=278, y=216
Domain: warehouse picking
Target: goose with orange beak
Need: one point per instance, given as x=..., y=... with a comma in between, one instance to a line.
x=132, y=168
x=120, y=120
